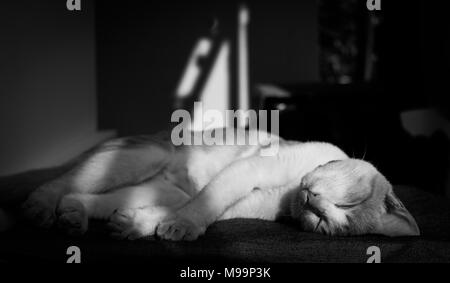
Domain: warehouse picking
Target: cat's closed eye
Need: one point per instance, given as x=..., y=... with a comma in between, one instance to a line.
x=345, y=206
x=310, y=193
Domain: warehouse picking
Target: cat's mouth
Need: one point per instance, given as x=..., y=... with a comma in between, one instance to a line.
x=309, y=207
x=311, y=217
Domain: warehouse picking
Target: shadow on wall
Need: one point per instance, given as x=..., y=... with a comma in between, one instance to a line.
x=144, y=46
x=54, y=60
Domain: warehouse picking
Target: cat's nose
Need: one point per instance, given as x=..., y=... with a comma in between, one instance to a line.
x=304, y=198
x=304, y=184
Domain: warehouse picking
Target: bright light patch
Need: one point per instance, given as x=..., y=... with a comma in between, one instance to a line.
x=192, y=71
x=243, y=81
x=215, y=95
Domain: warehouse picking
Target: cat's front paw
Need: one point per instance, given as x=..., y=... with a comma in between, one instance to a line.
x=72, y=216
x=135, y=223
x=178, y=228
x=40, y=208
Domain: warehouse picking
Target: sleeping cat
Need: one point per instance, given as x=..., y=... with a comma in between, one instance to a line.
x=147, y=186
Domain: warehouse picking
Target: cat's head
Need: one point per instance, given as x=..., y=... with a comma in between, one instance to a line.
x=350, y=197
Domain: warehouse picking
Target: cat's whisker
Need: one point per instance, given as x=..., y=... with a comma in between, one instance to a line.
x=365, y=151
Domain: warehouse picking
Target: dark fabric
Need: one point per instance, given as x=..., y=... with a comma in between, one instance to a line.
x=238, y=240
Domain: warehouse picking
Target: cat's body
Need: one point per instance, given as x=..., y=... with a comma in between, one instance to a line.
x=146, y=186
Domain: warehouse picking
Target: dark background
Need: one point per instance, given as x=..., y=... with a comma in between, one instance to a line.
x=69, y=79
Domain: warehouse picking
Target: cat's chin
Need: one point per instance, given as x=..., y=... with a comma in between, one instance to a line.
x=308, y=221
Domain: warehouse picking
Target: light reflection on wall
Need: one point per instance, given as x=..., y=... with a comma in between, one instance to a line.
x=192, y=71
x=243, y=79
x=215, y=94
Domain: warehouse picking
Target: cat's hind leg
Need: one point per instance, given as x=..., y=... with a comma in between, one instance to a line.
x=75, y=209
x=117, y=163
x=40, y=205
x=72, y=213
x=135, y=223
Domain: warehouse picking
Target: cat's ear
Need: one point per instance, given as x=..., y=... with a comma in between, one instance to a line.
x=396, y=221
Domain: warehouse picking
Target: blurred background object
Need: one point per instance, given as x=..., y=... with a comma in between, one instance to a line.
x=347, y=42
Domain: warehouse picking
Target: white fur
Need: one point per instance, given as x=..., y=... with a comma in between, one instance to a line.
x=178, y=192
